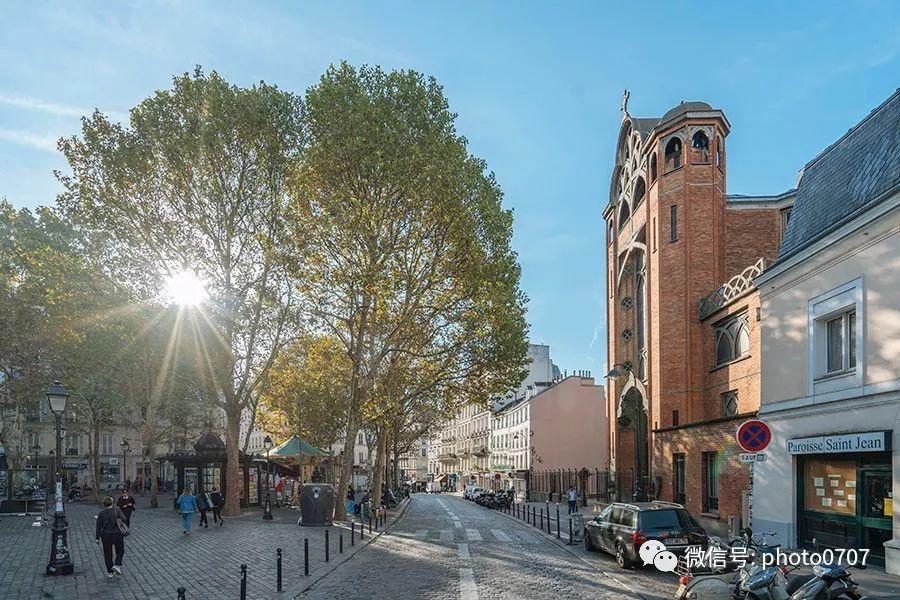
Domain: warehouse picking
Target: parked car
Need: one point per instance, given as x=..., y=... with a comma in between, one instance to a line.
x=623, y=526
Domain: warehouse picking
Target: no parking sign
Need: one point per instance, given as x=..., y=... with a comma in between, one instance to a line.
x=753, y=436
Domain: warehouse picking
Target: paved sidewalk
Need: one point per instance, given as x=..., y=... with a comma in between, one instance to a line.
x=159, y=559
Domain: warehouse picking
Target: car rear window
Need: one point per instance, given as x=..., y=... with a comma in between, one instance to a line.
x=666, y=519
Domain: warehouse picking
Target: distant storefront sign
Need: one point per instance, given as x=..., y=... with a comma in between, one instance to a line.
x=869, y=441
x=74, y=464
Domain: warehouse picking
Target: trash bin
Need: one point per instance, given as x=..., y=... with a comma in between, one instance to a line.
x=316, y=503
x=577, y=530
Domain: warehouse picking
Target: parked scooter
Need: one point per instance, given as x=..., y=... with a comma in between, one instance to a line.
x=735, y=582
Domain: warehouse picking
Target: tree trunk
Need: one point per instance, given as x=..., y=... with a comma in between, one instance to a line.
x=395, y=484
x=232, y=458
x=95, y=462
x=380, y=455
x=154, y=488
x=340, y=507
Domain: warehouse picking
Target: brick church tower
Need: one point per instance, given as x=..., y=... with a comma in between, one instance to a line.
x=683, y=345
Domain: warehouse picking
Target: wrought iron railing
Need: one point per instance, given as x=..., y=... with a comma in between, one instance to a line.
x=731, y=289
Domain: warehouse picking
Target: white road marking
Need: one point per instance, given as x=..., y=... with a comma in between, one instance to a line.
x=467, y=588
x=501, y=537
x=421, y=533
x=473, y=535
x=464, y=551
x=446, y=535
x=457, y=523
x=526, y=537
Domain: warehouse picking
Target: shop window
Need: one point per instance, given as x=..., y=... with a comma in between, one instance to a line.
x=678, y=494
x=673, y=154
x=829, y=486
x=732, y=340
x=710, y=482
x=730, y=403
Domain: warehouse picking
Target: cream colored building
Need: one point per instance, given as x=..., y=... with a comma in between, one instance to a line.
x=830, y=371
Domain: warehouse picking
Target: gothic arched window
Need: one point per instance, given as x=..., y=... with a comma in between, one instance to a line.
x=640, y=189
x=653, y=167
x=700, y=141
x=673, y=154
x=732, y=339
x=624, y=214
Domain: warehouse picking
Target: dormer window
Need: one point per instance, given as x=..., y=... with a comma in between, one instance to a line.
x=673, y=154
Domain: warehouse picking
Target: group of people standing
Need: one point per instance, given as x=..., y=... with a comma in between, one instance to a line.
x=203, y=502
x=114, y=521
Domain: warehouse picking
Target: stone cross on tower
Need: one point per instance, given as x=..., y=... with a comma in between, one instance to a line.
x=625, y=96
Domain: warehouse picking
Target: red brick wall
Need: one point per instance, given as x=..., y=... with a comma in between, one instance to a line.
x=751, y=233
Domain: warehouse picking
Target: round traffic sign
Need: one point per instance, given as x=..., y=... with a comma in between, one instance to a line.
x=753, y=436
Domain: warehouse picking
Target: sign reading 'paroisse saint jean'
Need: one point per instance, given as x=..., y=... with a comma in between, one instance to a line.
x=869, y=441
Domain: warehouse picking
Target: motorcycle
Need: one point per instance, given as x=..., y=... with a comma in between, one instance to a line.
x=736, y=581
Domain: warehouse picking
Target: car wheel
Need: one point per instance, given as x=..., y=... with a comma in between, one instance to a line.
x=622, y=557
x=588, y=544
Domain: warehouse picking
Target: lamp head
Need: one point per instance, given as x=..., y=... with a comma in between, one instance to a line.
x=267, y=443
x=57, y=396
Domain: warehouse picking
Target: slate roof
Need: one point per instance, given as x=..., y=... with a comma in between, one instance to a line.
x=858, y=171
x=683, y=108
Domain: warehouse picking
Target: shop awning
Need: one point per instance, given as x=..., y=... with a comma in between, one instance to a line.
x=295, y=447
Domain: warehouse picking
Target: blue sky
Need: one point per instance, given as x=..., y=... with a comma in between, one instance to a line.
x=537, y=86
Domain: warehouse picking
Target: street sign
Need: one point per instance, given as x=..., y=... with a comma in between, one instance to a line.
x=753, y=436
x=753, y=457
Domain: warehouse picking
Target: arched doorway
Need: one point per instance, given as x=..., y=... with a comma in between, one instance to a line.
x=632, y=417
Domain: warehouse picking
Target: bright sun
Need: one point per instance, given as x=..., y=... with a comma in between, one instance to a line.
x=186, y=289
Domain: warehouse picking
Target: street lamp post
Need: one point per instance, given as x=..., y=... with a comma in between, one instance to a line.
x=60, y=559
x=267, y=511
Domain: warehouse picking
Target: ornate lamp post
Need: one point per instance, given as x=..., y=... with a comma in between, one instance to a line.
x=125, y=448
x=267, y=512
x=60, y=559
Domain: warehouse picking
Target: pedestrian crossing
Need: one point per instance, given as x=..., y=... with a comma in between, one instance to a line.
x=475, y=535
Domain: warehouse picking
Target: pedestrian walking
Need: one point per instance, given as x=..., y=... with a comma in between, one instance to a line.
x=204, y=505
x=351, y=501
x=126, y=505
x=187, y=504
x=572, y=497
x=110, y=533
x=218, y=501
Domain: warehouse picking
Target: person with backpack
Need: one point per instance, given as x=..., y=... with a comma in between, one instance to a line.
x=204, y=504
x=110, y=533
x=218, y=501
x=187, y=504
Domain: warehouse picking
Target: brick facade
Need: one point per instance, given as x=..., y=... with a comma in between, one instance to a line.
x=669, y=395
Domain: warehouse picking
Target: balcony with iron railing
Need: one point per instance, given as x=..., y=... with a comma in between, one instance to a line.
x=735, y=287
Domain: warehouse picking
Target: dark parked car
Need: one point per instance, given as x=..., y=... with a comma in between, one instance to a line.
x=623, y=526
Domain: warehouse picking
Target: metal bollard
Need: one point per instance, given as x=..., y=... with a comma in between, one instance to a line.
x=278, y=569
x=352, y=533
x=570, y=531
x=340, y=542
x=542, y=519
x=306, y=556
x=243, y=582
x=557, y=521
x=181, y=592
x=327, y=546
x=548, y=519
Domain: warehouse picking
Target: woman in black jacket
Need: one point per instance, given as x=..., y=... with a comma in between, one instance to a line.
x=126, y=503
x=110, y=536
x=218, y=501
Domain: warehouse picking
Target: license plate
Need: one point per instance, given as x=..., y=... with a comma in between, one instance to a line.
x=676, y=541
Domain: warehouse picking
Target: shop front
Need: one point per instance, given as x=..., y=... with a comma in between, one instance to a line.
x=844, y=491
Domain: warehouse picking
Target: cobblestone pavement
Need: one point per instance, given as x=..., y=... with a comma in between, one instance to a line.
x=159, y=559
x=446, y=547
